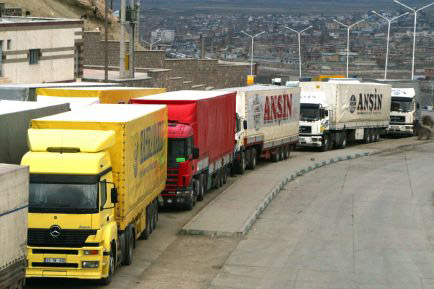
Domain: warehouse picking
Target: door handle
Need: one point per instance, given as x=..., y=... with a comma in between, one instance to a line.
x=108, y=218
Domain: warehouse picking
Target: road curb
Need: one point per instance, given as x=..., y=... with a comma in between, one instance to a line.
x=278, y=188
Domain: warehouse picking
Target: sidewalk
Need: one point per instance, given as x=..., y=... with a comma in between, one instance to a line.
x=234, y=212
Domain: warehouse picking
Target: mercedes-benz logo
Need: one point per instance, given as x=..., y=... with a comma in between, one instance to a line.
x=55, y=231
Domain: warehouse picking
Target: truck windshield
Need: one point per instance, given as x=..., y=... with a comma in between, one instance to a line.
x=179, y=150
x=63, y=198
x=401, y=104
x=309, y=112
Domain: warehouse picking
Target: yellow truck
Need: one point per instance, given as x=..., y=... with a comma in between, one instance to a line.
x=104, y=95
x=95, y=175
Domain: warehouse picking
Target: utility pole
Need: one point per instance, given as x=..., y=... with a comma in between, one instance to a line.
x=132, y=32
x=299, y=44
x=389, y=21
x=106, y=41
x=348, y=38
x=415, y=11
x=251, y=58
x=122, y=59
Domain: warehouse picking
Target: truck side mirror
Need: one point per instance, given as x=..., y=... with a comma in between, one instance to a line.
x=245, y=124
x=417, y=105
x=114, y=195
x=195, y=153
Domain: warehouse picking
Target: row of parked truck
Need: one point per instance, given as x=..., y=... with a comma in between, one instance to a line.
x=95, y=176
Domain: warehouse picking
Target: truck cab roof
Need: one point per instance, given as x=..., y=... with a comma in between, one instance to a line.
x=179, y=130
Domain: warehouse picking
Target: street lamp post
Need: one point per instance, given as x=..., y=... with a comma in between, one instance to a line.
x=251, y=59
x=389, y=21
x=415, y=11
x=151, y=43
x=299, y=44
x=348, y=37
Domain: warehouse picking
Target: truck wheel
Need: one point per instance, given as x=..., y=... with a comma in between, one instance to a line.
x=201, y=192
x=286, y=152
x=377, y=135
x=367, y=137
x=275, y=156
x=241, y=166
x=344, y=141
x=147, y=232
x=128, y=259
x=106, y=281
x=325, y=143
x=155, y=215
x=189, y=204
x=252, y=163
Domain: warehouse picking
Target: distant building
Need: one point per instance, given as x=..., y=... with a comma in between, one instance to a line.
x=40, y=49
x=167, y=36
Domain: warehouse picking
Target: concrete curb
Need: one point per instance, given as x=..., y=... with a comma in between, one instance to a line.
x=276, y=190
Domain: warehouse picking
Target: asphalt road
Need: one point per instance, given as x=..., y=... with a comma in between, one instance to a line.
x=365, y=223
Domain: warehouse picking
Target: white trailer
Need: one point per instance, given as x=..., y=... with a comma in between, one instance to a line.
x=267, y=123
x=334, y=113
x=14, y=196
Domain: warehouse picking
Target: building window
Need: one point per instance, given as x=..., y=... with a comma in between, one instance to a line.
x=9, y=44
x=34, y=56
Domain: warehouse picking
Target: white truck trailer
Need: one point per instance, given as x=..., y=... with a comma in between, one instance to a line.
x=267, y=123
x=337, y=112
x=14, y=196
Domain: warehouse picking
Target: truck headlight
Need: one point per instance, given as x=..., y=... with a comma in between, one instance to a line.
x=90, y=252
x=90, y=264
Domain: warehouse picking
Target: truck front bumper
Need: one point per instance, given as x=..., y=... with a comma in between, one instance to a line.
x=72, y=263
x=175, y=198
x=310, y=141
x=399, y=129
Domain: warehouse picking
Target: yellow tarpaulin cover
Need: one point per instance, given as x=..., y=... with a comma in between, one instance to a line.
x=106, y=95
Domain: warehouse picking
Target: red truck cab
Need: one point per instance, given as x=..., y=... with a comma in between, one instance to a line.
x=181, y=163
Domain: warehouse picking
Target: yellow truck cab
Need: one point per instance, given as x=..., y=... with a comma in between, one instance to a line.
x=95, y=175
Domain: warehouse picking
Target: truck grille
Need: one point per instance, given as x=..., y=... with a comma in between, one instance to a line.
x=172, y=179
x=397, y=119
x=60, y=265
x=305, y=129
x=67, y=238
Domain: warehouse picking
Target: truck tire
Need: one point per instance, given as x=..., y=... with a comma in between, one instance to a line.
x=376, y=135
x=343, y=143
x=326, y=143
x=225, y=175
x=275, y=156
x=367, y=136
x=155, y=216
x=112, y=265
x=147, y=231
x=129, y=248
x=286, y=152
x=201, y=193
x=190, y=203
x=241, y=165
x=281, y=153
x=253, y=159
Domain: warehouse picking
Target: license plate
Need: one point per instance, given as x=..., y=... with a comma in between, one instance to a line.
x=55, y=260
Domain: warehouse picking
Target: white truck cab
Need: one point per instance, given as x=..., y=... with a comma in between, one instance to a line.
x=314, y=119
x=403, y=112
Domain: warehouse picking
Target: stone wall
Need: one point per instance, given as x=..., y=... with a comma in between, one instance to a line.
x=173, y=74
